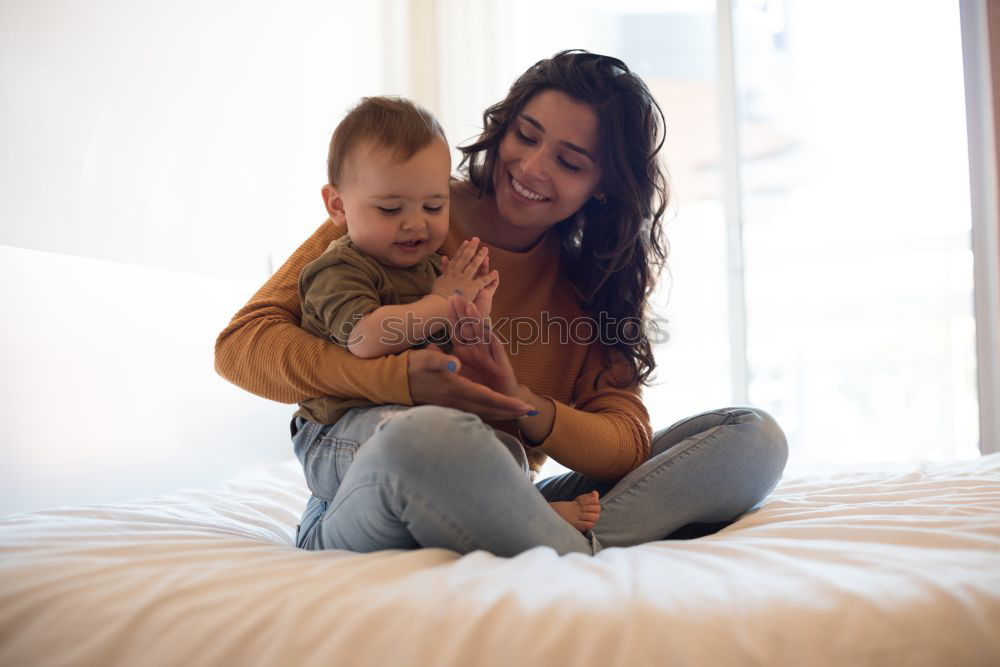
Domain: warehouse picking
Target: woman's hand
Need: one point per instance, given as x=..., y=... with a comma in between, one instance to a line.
x=484, y=358
x=479, y=348
x=434, y=379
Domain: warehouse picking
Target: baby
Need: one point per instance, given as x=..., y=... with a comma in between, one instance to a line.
x=382, y=288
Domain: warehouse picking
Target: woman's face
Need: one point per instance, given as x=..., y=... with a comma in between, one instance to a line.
x=547, y=163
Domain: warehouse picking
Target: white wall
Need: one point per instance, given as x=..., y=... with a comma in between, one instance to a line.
x=185, y=134
x=108, y=388
x=158, y=159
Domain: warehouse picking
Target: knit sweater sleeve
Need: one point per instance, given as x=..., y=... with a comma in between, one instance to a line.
x=606, y=433
x=266, y=352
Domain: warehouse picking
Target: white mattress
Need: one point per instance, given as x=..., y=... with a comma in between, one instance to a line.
x=860, y=565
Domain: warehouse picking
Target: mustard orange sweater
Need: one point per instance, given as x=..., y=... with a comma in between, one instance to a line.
x=603, y=433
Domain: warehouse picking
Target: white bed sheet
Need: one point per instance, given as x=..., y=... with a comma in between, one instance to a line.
x=844, y=565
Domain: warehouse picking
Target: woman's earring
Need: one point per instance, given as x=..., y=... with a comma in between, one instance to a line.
x=601, y=198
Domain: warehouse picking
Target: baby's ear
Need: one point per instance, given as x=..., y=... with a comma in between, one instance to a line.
x=334, y=204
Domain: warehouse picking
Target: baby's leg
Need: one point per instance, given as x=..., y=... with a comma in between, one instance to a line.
x=582, y=512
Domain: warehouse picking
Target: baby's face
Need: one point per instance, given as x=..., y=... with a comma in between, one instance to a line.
x=397, y=212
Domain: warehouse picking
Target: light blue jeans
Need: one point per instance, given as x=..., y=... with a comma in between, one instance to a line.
x=401, y=477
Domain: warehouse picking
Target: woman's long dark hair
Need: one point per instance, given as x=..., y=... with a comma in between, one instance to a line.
x=614, y=249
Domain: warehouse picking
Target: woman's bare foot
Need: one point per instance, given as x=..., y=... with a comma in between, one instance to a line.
x=581, y=512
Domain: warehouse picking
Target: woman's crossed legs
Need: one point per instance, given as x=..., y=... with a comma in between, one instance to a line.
x=395, y=477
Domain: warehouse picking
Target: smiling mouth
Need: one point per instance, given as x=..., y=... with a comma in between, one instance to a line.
x=520, y=189
x=410, y=244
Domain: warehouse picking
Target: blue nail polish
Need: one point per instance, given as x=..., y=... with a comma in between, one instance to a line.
x=533, y=413
x=451, y=366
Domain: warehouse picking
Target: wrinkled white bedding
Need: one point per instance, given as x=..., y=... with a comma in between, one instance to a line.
x=858, y=565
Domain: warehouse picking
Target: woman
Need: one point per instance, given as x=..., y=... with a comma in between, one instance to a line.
x=565, y=188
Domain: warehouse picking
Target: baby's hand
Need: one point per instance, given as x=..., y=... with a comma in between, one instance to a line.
x=484, y=300
x=462, y=272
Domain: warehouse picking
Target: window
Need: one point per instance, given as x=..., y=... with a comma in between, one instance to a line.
x=856, y=226
x=821, y=262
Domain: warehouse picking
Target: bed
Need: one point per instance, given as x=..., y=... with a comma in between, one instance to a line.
x=872, y=564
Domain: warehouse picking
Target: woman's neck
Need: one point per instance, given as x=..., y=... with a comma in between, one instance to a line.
x=475, y=216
